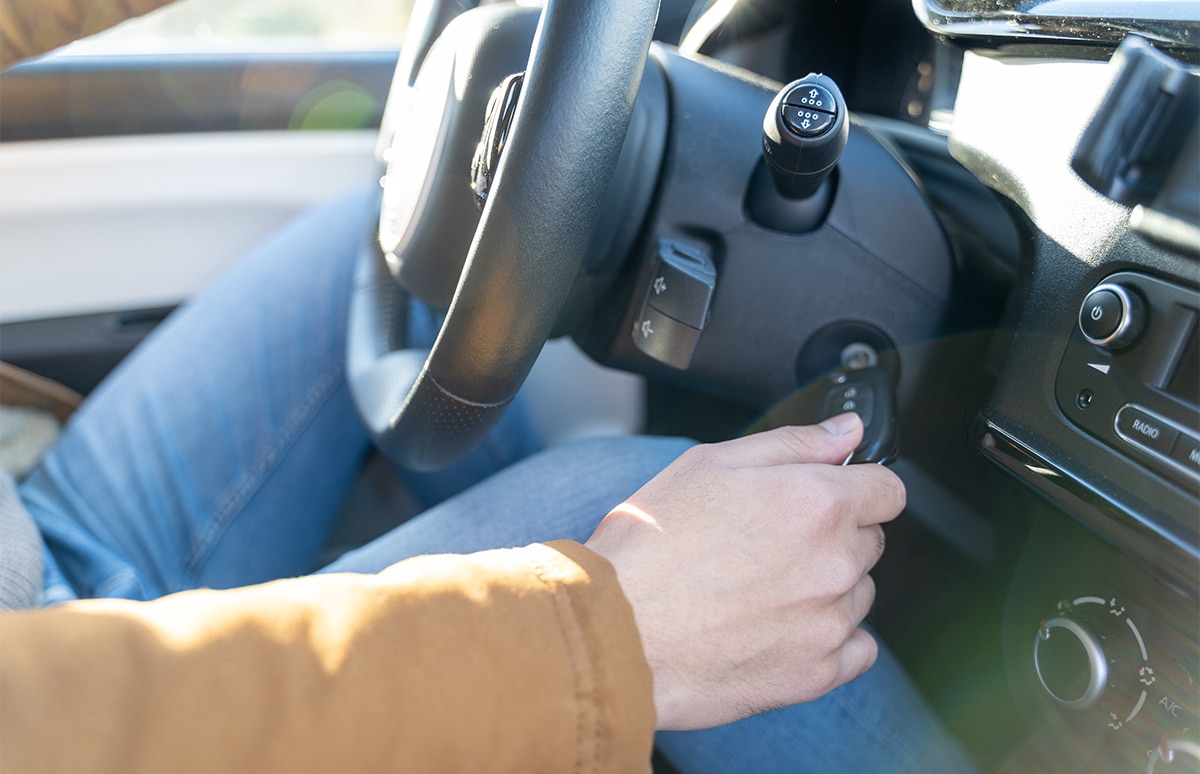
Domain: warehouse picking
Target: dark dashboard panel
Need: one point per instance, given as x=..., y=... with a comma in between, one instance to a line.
x=1112, y=563
x=1075, y=241
x=1140, y=397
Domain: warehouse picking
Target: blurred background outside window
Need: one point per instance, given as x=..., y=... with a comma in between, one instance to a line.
x=256, y=25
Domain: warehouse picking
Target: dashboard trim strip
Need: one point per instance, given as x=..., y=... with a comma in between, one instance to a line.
x=1126, y=530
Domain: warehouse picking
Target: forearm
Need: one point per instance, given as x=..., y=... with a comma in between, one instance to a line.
x=507, y=660
x=31, y=27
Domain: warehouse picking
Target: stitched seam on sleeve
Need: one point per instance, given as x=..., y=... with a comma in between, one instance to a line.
x=587, y=653
x=540, y=571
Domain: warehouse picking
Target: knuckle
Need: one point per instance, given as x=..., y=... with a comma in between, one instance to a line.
x=826, y=499
x=701, y=459
x=841, y=576
x=826, y=632
x=826, y=675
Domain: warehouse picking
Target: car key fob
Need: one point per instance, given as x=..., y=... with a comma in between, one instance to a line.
x=869, y=393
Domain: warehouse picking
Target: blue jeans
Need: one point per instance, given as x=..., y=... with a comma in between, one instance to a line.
x=218, y=453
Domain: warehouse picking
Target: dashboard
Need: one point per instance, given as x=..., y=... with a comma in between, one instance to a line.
x=1095, y=406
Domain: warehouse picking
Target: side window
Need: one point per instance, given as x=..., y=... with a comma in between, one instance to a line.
x=252, y=25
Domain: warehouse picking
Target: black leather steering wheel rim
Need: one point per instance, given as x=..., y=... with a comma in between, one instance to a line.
x=580, y=85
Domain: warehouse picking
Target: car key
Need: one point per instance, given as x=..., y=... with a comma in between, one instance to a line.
x=869, y=393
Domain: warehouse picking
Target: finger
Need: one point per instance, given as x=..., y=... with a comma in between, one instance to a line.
x=856, y=656
x=872, y=494
x=829, y=443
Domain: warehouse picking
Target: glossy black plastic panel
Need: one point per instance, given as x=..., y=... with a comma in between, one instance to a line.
x=1124, y=396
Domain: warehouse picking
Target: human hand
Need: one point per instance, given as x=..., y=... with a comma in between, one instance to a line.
x=746, y=565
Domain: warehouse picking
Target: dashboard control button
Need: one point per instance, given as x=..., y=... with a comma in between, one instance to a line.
x=682, y=283
x=1145, y=430
x=1173, y=749
x=1156, y=374
x=1100, y=315
x=806, y=122
x=813, y=97
x=1111, y=316
x=1186, y=452
x=675, y=306
x=1070, y=663
x=666, y=340
x=804, y=133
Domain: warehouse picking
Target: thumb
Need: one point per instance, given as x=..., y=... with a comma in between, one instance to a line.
x=830, y=443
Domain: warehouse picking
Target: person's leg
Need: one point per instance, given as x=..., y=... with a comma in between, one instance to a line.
x=560, y=493
x=877, y=723
x=218, y=453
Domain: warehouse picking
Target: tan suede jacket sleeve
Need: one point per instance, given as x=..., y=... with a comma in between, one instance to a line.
x=29, y=27
x=513, y=660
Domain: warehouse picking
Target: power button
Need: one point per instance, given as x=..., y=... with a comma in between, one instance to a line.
x=1111, y=316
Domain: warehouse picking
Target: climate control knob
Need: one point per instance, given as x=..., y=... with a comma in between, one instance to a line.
x=1070, y=663
x=1111, y=316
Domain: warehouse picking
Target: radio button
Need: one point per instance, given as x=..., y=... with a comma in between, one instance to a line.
x=1145, y=430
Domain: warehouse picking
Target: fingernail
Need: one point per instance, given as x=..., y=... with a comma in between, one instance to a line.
x=842, y=423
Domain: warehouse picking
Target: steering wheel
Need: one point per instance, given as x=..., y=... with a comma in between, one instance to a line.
x=426, y=411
